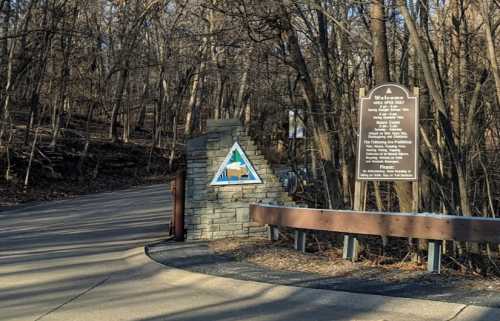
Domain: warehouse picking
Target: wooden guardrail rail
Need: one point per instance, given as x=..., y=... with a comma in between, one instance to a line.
x=422, y=225
x=416, y=225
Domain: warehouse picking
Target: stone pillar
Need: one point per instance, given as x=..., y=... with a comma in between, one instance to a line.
x=214, y=212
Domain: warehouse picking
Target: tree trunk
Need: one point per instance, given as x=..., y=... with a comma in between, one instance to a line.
x=443, y=119
x=456, y=61
x=491, y=46
x=194, y=90
x=240, y=100
x=127, y=118
x=173, y=143
x=4, y=46
x=379, y=42
x=66, y=48
x=113, y=132
x=32, y=155
x=8, y=87
x=142, y=114
x=39, y=71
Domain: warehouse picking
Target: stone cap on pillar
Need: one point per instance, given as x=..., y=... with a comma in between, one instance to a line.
x=219, y=125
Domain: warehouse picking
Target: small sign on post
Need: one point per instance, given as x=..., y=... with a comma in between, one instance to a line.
x=388, y=135
x=296, y=128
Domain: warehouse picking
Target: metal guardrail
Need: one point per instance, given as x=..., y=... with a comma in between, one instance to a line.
x=416, y=225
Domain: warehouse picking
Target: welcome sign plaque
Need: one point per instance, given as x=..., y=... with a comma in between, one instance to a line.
x=388, y=135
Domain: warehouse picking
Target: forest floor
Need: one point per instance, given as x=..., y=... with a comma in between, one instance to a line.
x=15, y=194
x=70, y=168
x=56, y=173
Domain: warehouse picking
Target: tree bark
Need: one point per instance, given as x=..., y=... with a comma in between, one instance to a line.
x=122, y=83
x=491, y=46
x=240, y=100
x=456, y=61
x=6, y=121
x=379, y=42
x=192, y=100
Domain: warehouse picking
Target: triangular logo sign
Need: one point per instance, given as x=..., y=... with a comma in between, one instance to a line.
x=389, y=91
x=236, y=169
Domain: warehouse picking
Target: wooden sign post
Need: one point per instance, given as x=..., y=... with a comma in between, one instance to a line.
x=351, y=245
x=387, y=145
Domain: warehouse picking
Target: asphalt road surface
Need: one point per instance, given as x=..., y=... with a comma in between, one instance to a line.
x=83, y=260
x=53, y=252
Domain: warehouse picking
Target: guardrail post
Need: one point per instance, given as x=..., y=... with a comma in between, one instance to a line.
x=300, y=240
x=434, y=256
x=350, y=248
x=274, y=233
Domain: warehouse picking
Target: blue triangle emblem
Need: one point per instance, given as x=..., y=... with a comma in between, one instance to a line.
x=236, y=169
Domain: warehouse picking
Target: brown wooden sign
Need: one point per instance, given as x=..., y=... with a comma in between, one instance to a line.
x=388, y=135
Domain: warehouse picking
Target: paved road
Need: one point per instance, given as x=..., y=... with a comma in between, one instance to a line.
x=83, y=260
x=53, y=252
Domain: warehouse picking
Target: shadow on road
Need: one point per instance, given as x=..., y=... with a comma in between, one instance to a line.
x=52, y=251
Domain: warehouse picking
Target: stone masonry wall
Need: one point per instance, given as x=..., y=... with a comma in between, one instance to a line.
x=213, y=212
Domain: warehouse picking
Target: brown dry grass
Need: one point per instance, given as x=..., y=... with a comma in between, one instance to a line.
x=328, y=262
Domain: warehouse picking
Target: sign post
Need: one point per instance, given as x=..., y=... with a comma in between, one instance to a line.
x=387, y=145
